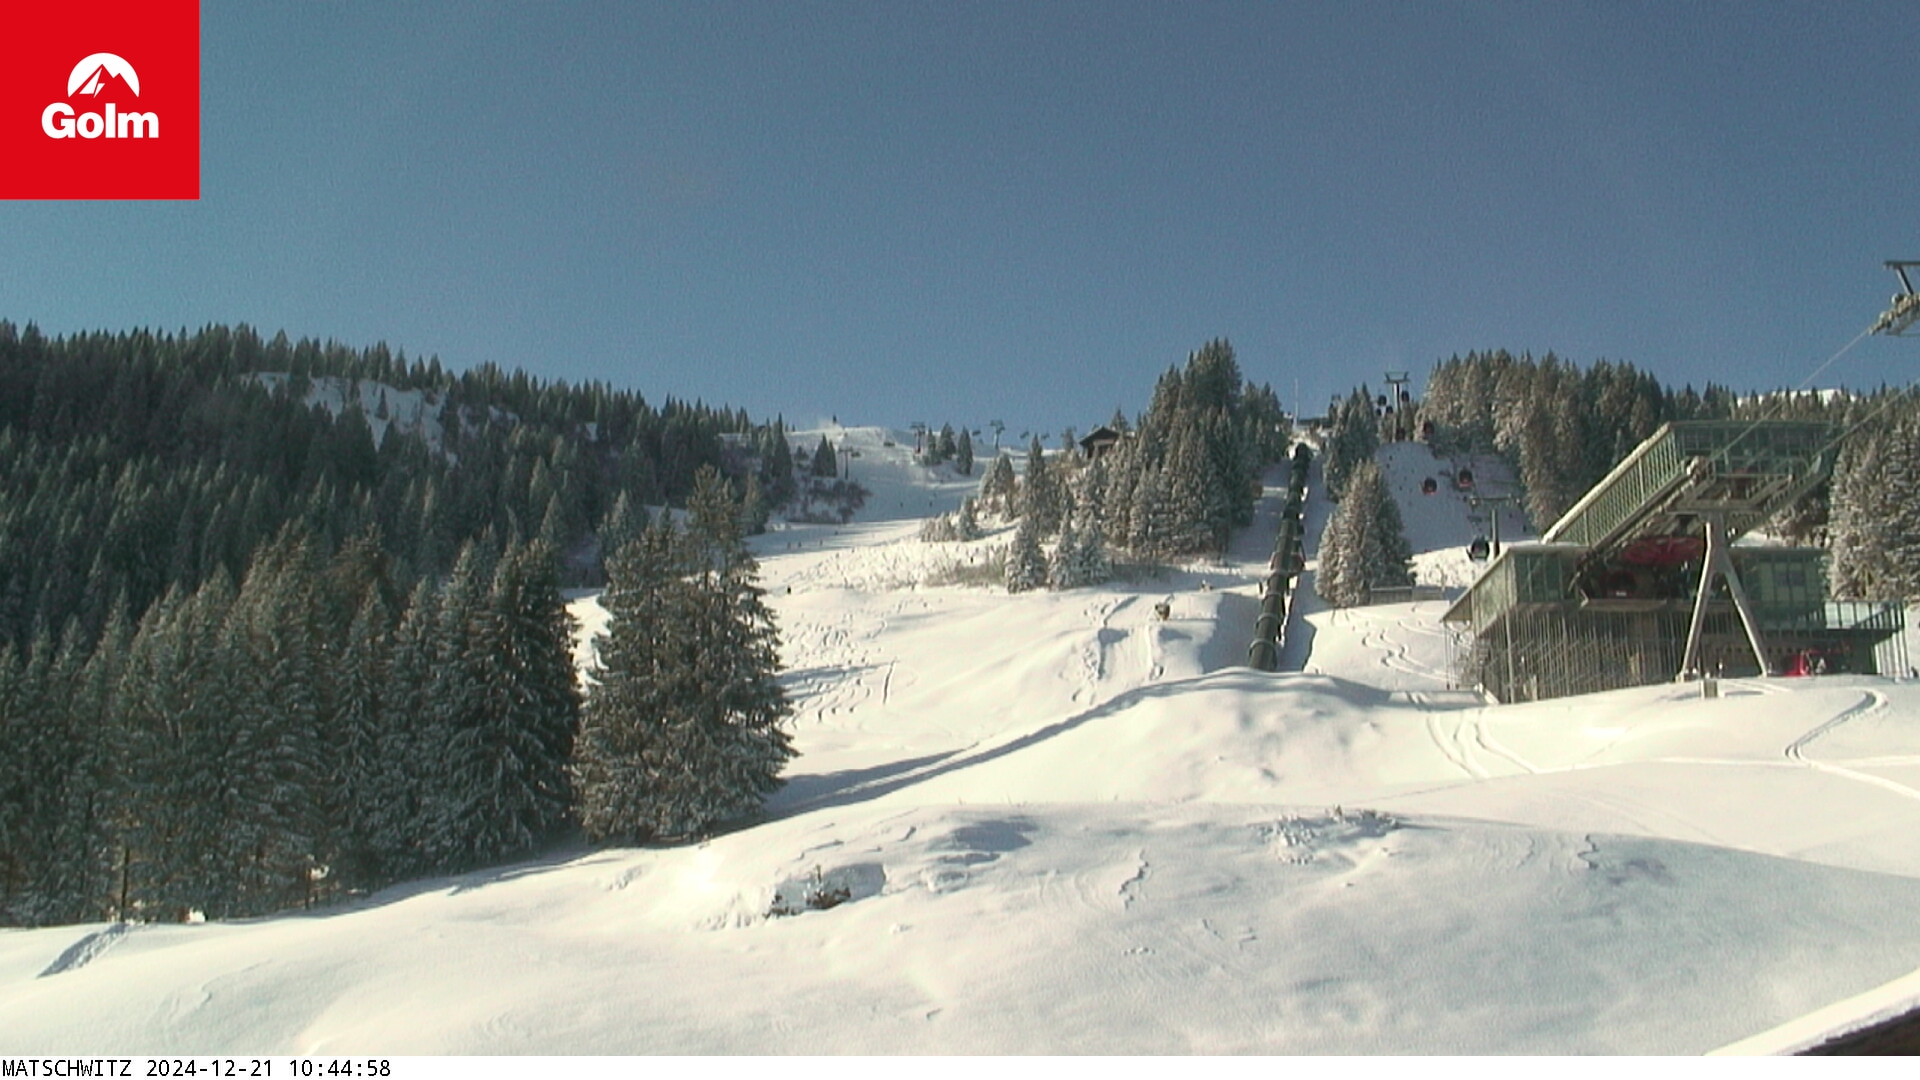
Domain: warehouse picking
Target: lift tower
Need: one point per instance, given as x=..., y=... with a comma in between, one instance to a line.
x=1397, y=401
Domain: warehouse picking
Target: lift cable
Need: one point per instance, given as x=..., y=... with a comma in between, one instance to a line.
x=1883, y=324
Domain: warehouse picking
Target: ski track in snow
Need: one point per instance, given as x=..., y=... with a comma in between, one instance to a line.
x=1096, y=655
x=86, y=950
x=1449, y=741
x=1871, y=702
x=1486, y=741
x=1391, y=642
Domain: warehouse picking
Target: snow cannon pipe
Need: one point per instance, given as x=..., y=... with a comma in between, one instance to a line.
x=1263, y=656
x=1269, y=628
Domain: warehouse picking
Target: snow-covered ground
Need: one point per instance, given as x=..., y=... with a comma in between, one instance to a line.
x=1066, y=825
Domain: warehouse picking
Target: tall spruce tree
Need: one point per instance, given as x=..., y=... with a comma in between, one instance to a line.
x=411, y=748
x=1042, y=491
x=1026, y=561
x=453, y=721
x=685, y=729
x=512, y=763
x=999, y=487
x=1364, y=546
x=622, y=722
x=624, y=524
x=1063, y=565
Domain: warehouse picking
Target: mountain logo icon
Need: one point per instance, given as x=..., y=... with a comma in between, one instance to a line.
x=90, y=75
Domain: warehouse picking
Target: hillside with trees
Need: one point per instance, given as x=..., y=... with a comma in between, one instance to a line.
x=252, y=656
x=1179, y=480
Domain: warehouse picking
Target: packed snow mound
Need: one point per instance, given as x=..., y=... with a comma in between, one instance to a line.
x=1229, y=737
x=1052, y=928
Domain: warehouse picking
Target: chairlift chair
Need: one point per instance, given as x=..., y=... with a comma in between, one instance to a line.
x=1905, y=309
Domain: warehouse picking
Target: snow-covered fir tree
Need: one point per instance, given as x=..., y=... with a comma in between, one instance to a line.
x=511, y=762
x=961, y=524
x=685, y=729
x=1089, y=491
x=1042, y=492
x=1153, y=527
x=1026, y=562
x=408, y=750
x=1092, y=564
x=998, y=489
x=963, y=454
x=1364, y=546
x=722, y=760
x=1353, y=438
x=966, y=520
x=1874, y=527
x=622, y=720
x=1080, y=558
x=1063, y=565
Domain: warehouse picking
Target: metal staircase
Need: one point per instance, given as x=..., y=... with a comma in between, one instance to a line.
x=1743, y=471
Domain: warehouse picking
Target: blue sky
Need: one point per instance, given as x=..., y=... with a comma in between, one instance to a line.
x=967, y=211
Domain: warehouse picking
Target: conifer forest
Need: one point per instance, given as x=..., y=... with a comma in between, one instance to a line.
x=281, y=622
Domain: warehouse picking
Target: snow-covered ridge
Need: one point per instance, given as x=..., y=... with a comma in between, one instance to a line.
x=407, y=411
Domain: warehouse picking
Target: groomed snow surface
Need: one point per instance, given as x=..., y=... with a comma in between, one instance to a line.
x=1057, y=823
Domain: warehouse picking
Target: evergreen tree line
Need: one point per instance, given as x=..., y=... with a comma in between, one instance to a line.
x=1867, y=515
x=1177, y=483
x=1873, y=510
x=1561, y=428
x=944, y=446
x=1352, y=438
x=136, y=463
x=251, y=656
x=313, y=731
x=241, y=748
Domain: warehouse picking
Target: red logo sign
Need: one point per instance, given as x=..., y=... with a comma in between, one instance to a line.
x=101, y=100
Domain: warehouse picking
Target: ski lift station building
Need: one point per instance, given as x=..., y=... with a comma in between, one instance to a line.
x=1641, y=582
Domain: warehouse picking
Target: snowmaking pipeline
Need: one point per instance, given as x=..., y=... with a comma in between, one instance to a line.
x=1289, y=559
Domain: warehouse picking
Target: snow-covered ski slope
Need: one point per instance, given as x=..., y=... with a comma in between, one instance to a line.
x=1063, y=824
